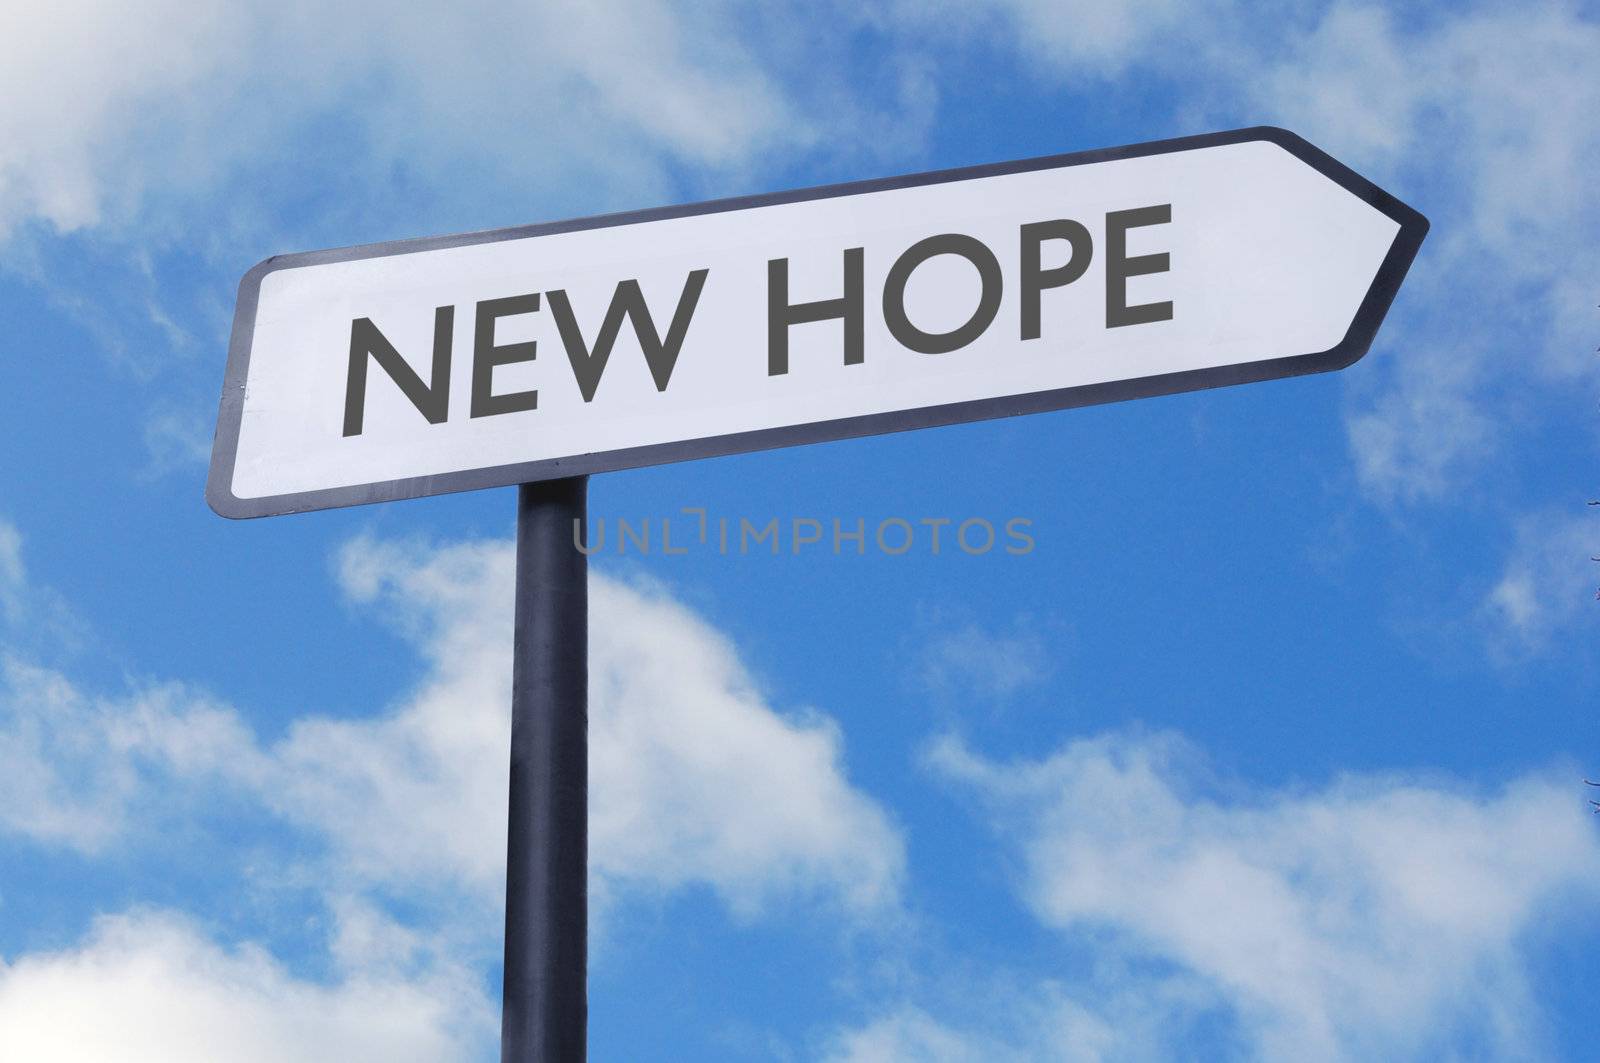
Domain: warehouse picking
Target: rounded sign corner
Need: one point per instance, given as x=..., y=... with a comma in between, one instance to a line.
x=250, y=284
x=224, y=503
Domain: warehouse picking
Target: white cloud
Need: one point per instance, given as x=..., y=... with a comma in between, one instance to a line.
x=1117, y=1014
x=13, y=577
x=694, y=778
x=1075, y=39
x=29, y=613
x=81, y=82
x=909, y=1033
x=1376, y=918
x=1480, y=114
x=151, y=987
x=81, y=771
x=72, y=766
x=1418, y=436
x=176, y=440
x=1348, y=76
x=1549, y=582
x=702, y=781
x=115, y=114
x=1479, y=117
x=965, y=660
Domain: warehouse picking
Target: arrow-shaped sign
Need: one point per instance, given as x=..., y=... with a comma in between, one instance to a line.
x=446, y=364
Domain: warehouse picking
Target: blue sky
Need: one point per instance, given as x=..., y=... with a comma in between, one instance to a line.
x=1272, y=747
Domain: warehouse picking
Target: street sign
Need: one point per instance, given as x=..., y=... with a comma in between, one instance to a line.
x=537, y=355
x=451, y=363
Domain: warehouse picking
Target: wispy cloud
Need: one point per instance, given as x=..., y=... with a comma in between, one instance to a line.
x=83, y=771
x=13, y=577
x=31, y=615
x=1376, y=917
x=1124, y=1012
x=1480, y=114
x=153, y=985
x=1548, y=584
x=111, y=110
x=969, y=662
x=696, y=778
x=176, y=441
x=697, y=781
x=114, y=116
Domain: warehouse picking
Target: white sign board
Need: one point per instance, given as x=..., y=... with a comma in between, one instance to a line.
x=446, y=364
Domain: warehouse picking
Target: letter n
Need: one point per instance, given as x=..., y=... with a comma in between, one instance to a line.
x=431, y=399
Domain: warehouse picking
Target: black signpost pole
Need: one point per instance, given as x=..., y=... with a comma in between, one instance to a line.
x=546, y=1004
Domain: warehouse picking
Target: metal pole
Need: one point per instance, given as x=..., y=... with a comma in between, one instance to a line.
x=546, y=1005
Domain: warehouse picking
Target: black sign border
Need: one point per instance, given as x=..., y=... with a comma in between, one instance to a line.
x=1358, y=338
